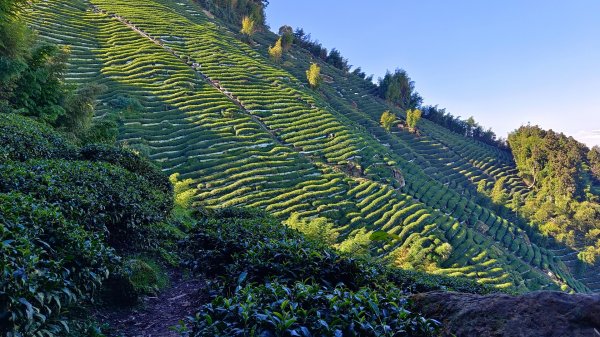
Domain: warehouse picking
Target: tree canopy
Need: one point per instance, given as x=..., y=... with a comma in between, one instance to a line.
x=560, y=171
x=232, y=11
x=468, y=128
x=399, y=89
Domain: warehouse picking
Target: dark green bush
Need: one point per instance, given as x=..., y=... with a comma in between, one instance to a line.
x=129, y=161
x=102, y=196
x=310, y=310
x=22, y=138
x=236, y=241
x=47, y=264
x=233, y=242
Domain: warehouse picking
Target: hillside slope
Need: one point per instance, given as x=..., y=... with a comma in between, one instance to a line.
x=250, y=132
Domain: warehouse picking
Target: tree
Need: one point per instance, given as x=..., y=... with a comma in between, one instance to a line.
x=248, y=27
x=498, y=194
x=287, y=37
x=31, y=75
x=79, y=108
x=594, y=159
x=335, y=59
x=276, y=51
x=397, y=88
x=232, y=11
x=387, y=119
x=412, y=118
x=313, y=74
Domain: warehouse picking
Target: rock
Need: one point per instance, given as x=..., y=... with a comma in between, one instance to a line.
x=542, y=313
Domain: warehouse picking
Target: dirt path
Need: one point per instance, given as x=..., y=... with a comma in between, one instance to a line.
x=155, y=316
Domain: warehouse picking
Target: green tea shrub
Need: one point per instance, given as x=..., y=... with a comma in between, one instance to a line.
x=241, y=241
x=22, y=138
x=47, y=264
x=305, y=310
x=104, y=197
x=128, y=160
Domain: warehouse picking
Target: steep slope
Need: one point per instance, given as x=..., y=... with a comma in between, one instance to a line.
x=249, y=132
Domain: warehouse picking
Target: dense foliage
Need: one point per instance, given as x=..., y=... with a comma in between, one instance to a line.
x=63, y=210
x=276, y=282
x=48, y=263
x=468, y=128
x=307, y=310
x=560, y=170
x=399, y=89
x=232, y=11
x=334, y=57
x=101, y=196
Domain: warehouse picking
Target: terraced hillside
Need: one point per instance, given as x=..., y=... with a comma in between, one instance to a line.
x=250, y=132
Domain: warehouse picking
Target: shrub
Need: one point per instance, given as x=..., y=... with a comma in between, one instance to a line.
x=412, y=118
x=276, y=51
x=22, y=138
x=146, y=275
x=130, y=161
x=317, y=229
x=310, y=310
x=126, y=103
x=313, y=74
x=262, y=249
x=101, y=131
x=386, y=120
x=102, y=196
x=235, y=241
x=47, y=264
x=248, y=26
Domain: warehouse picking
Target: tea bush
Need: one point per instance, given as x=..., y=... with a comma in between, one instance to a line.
x=129, y=161
x=307, y=310
x=233, y=241
x=22, y=138
x=107, y=198
x=47, y=264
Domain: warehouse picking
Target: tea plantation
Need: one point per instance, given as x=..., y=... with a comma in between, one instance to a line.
x=250, y=132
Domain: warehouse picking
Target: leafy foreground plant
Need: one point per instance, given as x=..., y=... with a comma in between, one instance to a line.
x=302, y=309
x=65, y=213
x=273, y=281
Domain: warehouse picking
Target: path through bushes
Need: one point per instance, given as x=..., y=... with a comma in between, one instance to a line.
x=156, y=316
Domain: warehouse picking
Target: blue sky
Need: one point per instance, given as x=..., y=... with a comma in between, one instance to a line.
x=506, y=63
